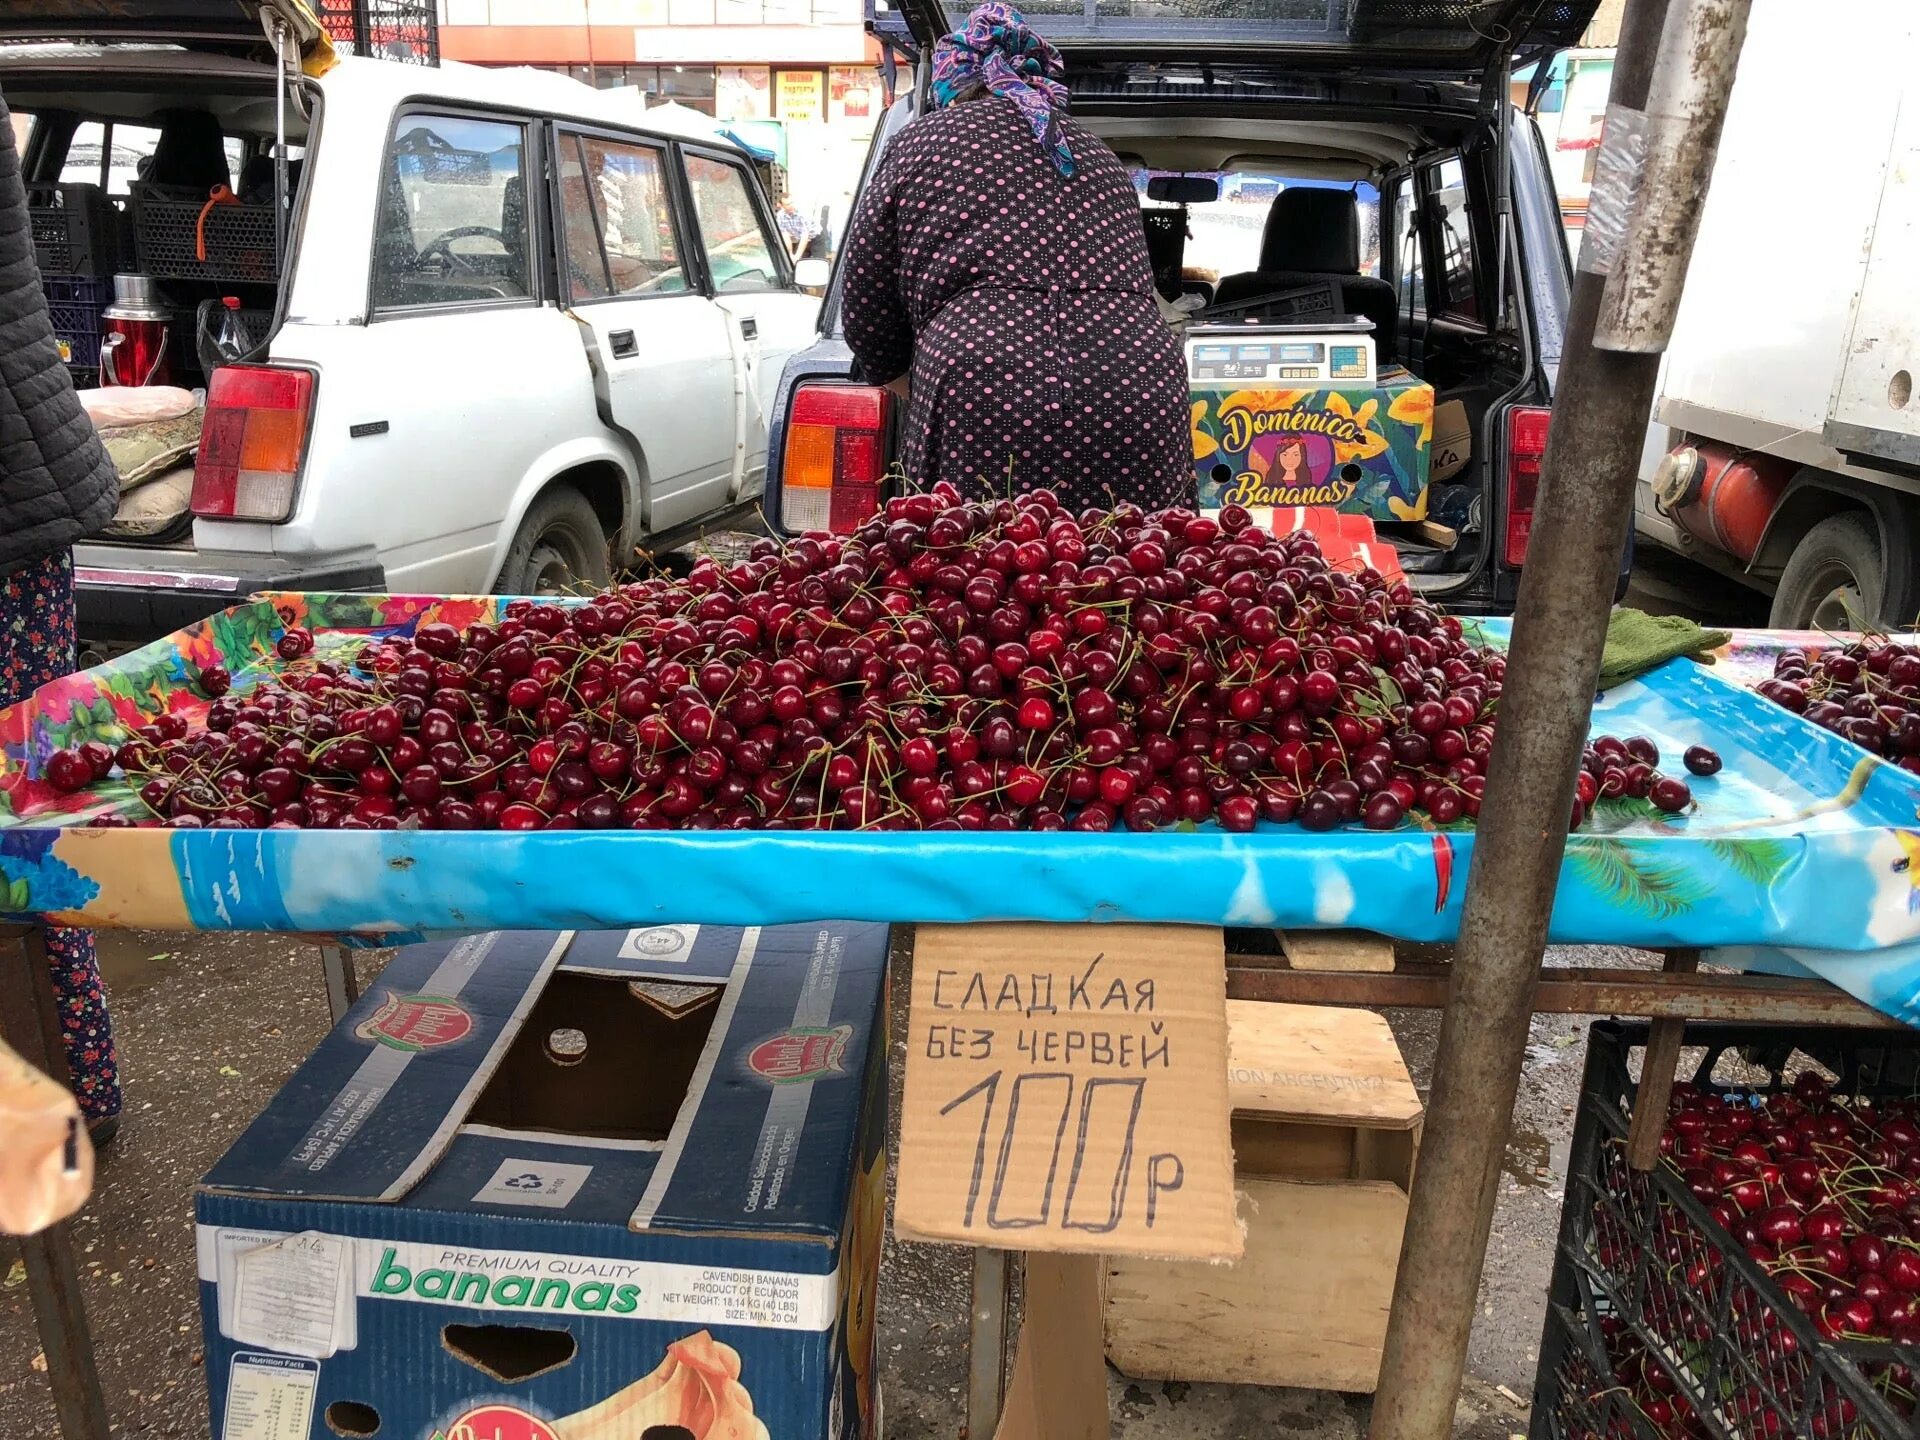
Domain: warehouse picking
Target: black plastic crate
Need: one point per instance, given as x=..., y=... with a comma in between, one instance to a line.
x=77, y=230
x=403, y=30
x=1645, y=1280
x=240, y=241
x=74, y=303
x=1578, y=1396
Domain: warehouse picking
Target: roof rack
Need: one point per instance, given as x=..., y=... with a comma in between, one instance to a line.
x=404, y=30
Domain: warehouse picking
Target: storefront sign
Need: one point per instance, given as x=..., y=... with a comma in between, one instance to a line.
x=853, y=93
x=800, y=95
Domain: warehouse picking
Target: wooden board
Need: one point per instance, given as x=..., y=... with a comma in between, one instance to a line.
x=1059, y=1386
x=1306, y=1305
x=1317, y=1063
x=1341, y=950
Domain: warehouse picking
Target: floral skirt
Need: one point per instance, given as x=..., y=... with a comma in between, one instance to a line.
x=36, y=646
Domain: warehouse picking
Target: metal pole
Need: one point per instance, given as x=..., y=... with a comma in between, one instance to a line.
x=987, y=1342
x=342, y=980
x=30, y=1020
x=1671, y=79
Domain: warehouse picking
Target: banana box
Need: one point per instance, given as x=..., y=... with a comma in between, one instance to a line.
x=1283, y=417
x=589, y=1185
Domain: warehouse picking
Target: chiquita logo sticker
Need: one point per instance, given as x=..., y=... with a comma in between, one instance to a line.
x=803, y=1052
x=416, y=1022
x=497, y=1422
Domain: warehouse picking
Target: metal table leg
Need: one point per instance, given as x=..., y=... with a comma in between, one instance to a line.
x=30, y=1020
x=343, y=982
x=987, y=1343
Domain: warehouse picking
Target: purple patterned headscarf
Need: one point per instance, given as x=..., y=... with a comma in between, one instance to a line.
x=998, y=49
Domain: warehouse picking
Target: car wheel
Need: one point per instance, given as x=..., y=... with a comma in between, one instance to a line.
x=1834, y=580
x=559, y=548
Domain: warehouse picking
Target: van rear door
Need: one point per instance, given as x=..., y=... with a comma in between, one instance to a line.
x=233, y=27
x=1429, y=39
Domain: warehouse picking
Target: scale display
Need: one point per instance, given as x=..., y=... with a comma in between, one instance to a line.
x=1320, y=360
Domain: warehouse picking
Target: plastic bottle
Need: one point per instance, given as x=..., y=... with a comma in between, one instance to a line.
x=232, y=341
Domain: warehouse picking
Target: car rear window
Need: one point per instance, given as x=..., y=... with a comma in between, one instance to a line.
x=1452, y=228
x=1223, y=236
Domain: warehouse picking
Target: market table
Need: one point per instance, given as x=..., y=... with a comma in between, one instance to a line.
x=1798, y=858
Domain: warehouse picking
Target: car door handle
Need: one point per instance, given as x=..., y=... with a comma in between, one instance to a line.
x=749, y=327
x=625, y=347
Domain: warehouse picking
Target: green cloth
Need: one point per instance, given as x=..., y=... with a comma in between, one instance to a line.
x=1638, y=642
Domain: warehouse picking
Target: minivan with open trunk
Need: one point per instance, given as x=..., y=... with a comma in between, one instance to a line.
x=1369, y=151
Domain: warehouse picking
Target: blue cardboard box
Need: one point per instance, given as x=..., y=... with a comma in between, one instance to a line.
x=595, y=1185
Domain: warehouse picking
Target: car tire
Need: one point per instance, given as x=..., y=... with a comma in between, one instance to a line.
x=559, y=548
x=1835, y=579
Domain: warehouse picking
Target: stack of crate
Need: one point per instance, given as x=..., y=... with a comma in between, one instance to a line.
x=79, y=239
x=1326, y=1130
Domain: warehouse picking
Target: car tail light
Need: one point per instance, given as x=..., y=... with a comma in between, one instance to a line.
x=252, y=442
x=1526, y=447
x=836, y=455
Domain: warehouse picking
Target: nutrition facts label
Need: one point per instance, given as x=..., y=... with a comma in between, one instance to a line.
x=269, y=1397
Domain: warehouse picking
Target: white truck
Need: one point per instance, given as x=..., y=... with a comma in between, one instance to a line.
x=1785, y=444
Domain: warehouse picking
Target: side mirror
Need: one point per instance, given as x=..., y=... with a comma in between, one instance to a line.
x=811, y=274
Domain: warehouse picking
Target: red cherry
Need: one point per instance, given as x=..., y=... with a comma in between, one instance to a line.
x=67, y=771
x=1670, y=794
x=1025, y=785
x=1382, y=811
x=1702, y=761
x=1035, y=714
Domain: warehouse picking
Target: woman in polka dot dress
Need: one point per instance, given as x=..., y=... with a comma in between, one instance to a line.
x=998, y=255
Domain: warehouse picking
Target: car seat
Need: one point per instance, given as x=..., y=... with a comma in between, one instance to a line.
x=1313, y=236
x=190, y=155
x=256, y=179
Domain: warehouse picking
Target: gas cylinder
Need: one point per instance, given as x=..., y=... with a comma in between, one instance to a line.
x=1719, y=494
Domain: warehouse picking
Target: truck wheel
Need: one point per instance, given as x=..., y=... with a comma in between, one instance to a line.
x=1835, y=578
x=558, y=549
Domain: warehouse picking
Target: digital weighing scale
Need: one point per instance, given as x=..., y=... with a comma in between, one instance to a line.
x=1296, y=413
x=1319, y=353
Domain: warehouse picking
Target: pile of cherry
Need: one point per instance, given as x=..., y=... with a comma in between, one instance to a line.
x=1867, y=691
x=1612, y=768
x=988, y=665
x=1823, y=1193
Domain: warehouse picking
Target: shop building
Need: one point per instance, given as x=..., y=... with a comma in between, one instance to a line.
x=799, y=78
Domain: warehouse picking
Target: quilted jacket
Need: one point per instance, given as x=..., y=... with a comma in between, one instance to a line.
x=56, y=482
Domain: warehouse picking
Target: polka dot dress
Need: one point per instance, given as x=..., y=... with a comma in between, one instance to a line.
x=1023, y=303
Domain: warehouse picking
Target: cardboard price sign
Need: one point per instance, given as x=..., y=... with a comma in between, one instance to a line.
x=1066, y=1089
